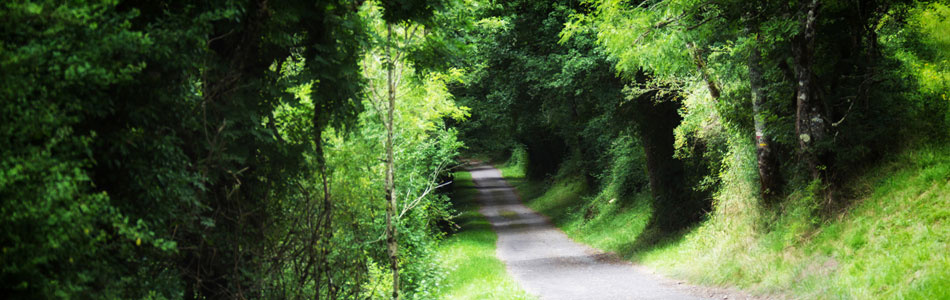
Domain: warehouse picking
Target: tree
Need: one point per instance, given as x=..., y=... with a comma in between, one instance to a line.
x=408, y=36
x=809, y=117
x=391, y=233
x=765, y=157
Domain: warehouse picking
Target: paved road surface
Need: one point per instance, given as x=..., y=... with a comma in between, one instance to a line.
x=549, y=264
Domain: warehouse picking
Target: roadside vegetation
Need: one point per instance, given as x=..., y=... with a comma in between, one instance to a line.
x=473, y=270
x=243, y=149
x=889, y=242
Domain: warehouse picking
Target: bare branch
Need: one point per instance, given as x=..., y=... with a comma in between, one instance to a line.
x=429, y=188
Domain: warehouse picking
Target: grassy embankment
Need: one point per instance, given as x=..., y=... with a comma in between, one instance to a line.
x=892, y=242
x=474, y=270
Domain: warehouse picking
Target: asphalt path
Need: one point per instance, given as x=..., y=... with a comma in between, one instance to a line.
x=550, y=265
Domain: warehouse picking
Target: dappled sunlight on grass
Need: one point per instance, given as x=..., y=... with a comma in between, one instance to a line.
x=890, y=244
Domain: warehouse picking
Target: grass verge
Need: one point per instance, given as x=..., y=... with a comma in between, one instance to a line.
x=475, y=272
x=893, y=242
x=598, y=220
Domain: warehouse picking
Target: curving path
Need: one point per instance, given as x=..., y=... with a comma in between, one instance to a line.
x=549, y=264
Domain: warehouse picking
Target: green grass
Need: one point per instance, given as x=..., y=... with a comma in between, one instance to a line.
x=476, y=272
x=892, y=242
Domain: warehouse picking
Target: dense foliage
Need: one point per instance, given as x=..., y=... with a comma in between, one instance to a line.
x=705, y=82
x=767, y=121
x=292, y=149
x=760, y=119
x=224, y=149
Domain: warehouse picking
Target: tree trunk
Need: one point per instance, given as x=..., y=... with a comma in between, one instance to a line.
x=673, y=205
x=324, y=225
x=701, y=67
x=809, y=117
x=391, y=234
x=768, y=171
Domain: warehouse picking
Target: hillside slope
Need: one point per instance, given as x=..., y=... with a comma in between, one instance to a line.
x=892, y=241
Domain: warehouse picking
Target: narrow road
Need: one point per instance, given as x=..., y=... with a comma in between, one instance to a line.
x=550, y=265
